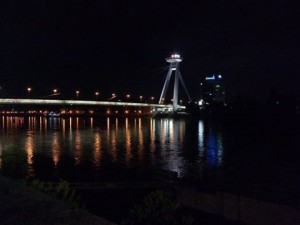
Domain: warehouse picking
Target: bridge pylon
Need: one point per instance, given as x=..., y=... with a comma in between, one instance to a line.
x=174, y=61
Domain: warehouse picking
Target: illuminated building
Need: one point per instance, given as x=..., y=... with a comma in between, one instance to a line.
x=213, y=90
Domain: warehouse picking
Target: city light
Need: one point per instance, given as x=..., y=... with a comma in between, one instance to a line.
x=200, y=102
x=175, y=56
x=210, y=78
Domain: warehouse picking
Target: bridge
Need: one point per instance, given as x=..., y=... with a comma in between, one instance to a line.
x=68, y=107
x=77, y=107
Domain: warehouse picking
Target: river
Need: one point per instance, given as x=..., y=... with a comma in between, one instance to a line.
x=99, y=149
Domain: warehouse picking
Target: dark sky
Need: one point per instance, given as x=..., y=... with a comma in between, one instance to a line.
x=121, y=46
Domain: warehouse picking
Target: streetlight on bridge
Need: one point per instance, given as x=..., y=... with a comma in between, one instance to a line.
x=97, y=94
x=77, y=93
x=55, y=91
x=29, y=91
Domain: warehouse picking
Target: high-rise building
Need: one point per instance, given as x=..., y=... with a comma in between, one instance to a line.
x=212, y=90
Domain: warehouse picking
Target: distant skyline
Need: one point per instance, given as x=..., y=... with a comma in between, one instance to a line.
x=120, y=47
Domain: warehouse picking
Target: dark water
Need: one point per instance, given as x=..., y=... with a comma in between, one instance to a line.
x=92, y=149
x=104, y=149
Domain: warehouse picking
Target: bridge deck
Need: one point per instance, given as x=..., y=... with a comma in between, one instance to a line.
x=9, y=101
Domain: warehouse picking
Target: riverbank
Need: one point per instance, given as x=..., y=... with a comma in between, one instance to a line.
x=22, y=205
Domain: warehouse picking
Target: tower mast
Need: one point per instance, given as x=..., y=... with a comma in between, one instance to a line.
x=174, y=61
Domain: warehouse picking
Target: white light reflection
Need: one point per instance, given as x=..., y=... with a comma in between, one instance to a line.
x=163, y=136
x=169, y=135
x=174, y=158
x=201, y=138
x=173, y=139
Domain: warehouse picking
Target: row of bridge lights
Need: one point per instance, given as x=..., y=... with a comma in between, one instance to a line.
x=97, y=93
x=69, y=112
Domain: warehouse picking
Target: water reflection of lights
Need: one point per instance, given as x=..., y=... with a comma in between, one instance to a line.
x=97, y=149
x=201, y=138
x=10, y=123
x=63, y=128
x=107, y=125
x=78, y=147
x=113, y=146
x=214, y=149
x=111, y=138
x=152, y=138
x=55, y=149
x=29, y=149
x=114, y=140
x=163, y=135
x=128, y=153
x=92, y=123
x=45, y=124
x=41, y=124
x=70, y=123
x=140, y=139
x=77, y=123
x=171, y=135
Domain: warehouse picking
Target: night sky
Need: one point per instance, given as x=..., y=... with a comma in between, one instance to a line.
x=120, y=46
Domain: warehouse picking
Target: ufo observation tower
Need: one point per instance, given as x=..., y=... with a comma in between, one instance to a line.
x=174, y=61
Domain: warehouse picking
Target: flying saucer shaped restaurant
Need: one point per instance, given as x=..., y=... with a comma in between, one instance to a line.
x=174, y=58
